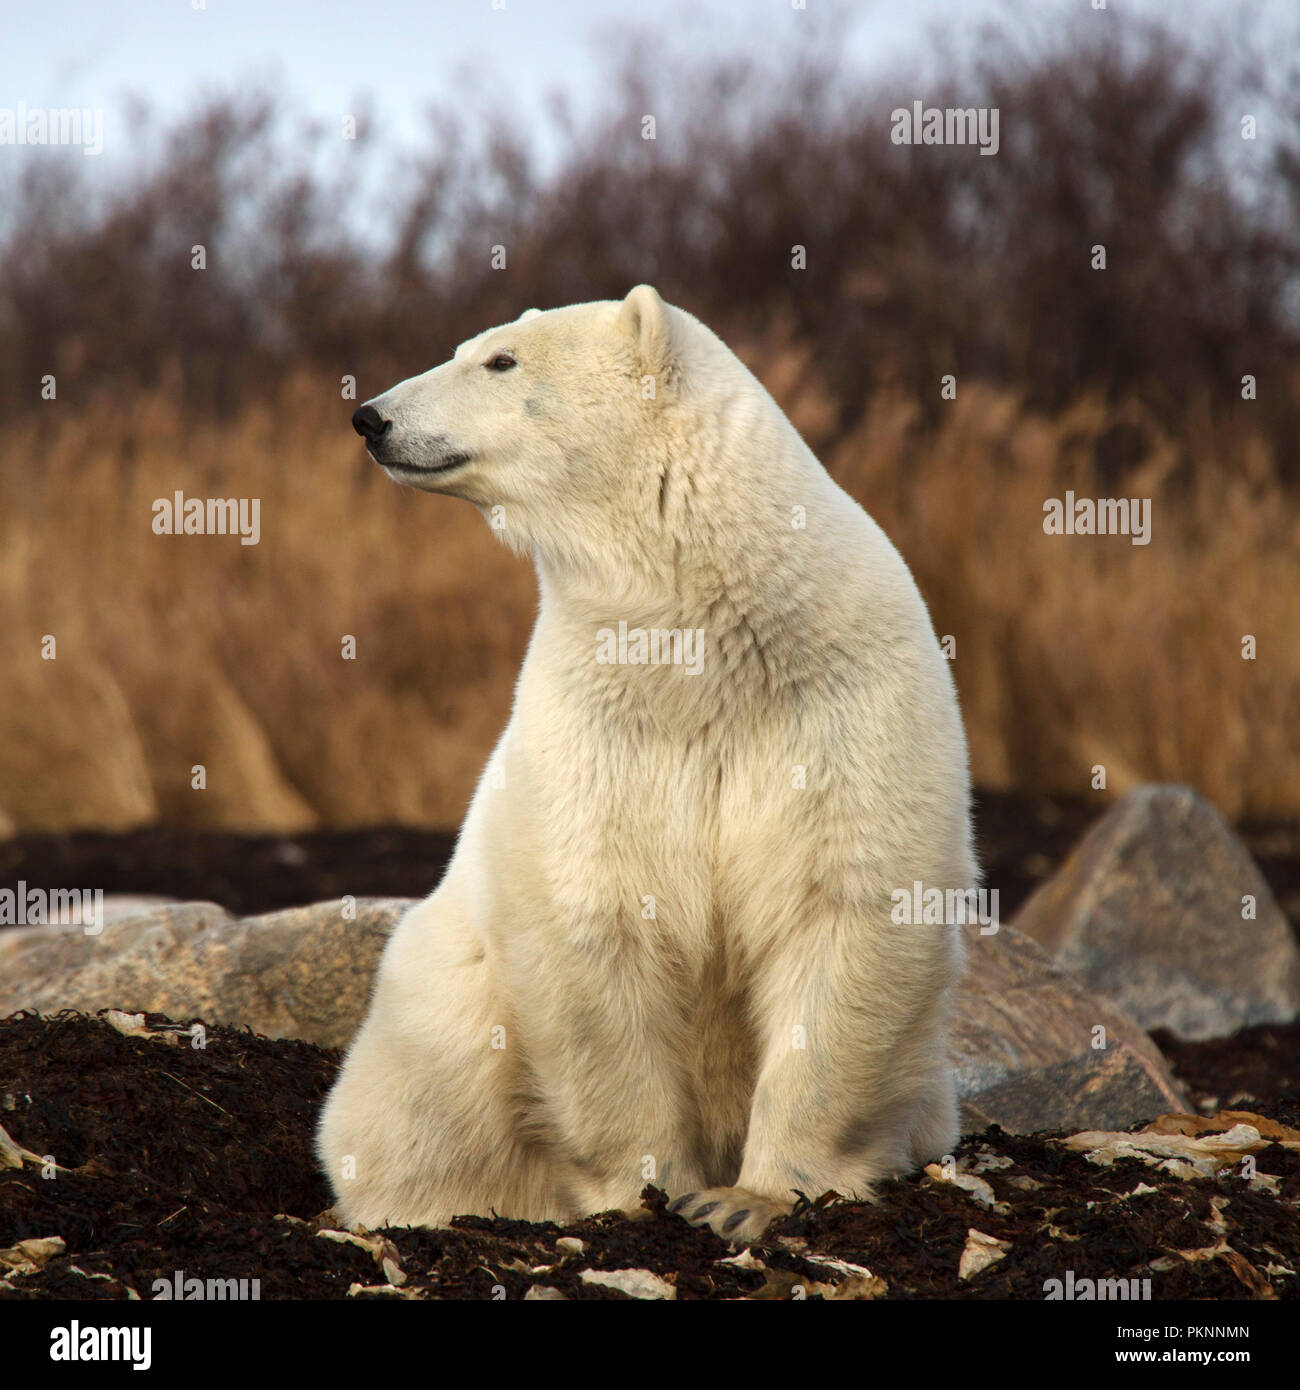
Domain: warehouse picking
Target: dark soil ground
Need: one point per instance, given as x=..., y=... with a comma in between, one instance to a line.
x=1021, y=840
x=172, y=1158
x=1256, y=1062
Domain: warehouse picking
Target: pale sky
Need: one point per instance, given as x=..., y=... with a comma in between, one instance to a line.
x=326, y=55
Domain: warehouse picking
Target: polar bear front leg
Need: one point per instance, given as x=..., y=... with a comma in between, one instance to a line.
x=854, y=1082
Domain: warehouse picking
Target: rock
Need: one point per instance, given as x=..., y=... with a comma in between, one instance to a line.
x=1148, y=911
x=126, y=966
x=119, y=906
x=1024, y=1044
x=304, y=973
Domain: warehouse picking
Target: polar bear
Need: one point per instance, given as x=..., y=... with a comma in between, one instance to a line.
x=665, y=949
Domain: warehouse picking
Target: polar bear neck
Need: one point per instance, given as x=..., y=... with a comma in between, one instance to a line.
x=738, y=534
x=706, y=510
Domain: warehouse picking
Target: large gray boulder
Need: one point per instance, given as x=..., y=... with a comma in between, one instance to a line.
x=1034, y=1049
x=302, y=973
x=1148, y=909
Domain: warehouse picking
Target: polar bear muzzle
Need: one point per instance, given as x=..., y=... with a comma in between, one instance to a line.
x=378, y=433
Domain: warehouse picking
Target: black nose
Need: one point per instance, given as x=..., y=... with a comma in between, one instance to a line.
x=369, y=423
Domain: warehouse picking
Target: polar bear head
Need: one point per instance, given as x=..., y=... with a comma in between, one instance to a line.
x=563, y=426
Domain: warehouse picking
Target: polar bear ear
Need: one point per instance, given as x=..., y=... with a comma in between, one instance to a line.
x=645, y=317
x=528, y=314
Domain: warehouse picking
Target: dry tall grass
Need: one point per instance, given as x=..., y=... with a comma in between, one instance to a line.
x=921, y=261
x=174, y=651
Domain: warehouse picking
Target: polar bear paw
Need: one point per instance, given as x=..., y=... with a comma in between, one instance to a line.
x=734, y=1213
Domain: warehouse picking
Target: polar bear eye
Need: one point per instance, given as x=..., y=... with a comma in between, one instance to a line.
x=502, y=362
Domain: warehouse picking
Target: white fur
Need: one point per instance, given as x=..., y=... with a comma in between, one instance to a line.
x=667, y=1047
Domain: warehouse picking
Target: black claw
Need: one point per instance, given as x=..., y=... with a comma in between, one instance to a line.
x=706, y=1210
x=734, y=1220
x=676, y=1207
